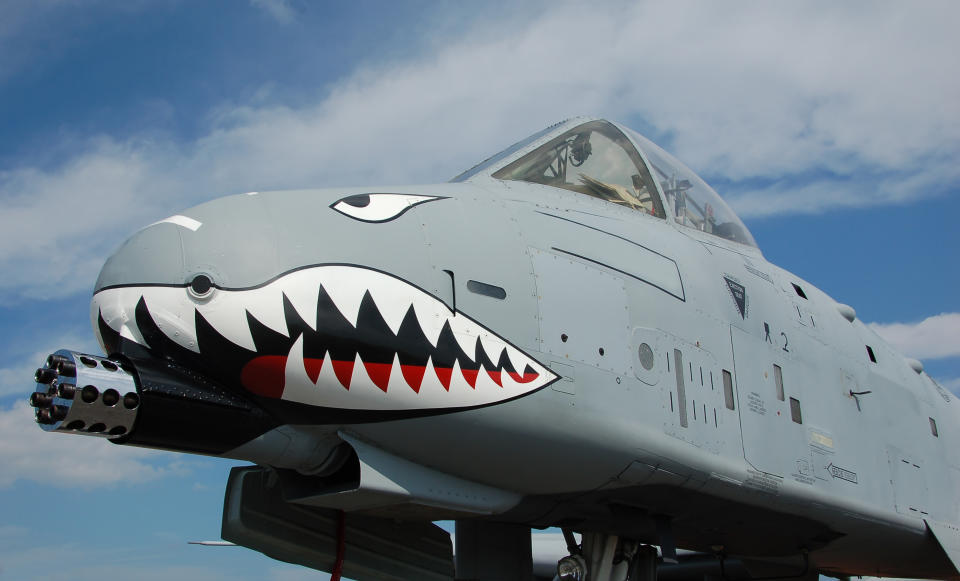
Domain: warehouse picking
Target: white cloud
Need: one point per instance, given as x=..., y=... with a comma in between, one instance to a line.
x=17, y=379
x=935, y=337
x=854, y=93
x=826, y=194
x=952, y=384
x=57, y=226
x=280, y=10
x=28, y=453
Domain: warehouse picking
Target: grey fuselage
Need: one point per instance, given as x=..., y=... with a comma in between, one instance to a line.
x=821, y=441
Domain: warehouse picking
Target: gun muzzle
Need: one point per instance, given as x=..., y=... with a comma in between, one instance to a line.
x=107, y=404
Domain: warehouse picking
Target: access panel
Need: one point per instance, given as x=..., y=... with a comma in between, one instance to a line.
x=774, y=437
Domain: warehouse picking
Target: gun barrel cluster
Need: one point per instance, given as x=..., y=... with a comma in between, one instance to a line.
x=85, y=394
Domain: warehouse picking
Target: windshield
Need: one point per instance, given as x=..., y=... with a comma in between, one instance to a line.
x=694, y=203
x=596, y=159
x=497, y=157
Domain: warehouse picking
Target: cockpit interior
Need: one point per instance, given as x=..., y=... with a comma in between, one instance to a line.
x=598, y=158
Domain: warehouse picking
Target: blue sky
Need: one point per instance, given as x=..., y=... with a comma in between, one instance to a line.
x=833, y=130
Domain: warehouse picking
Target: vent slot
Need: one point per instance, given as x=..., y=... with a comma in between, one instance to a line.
x=487, y=290
x=778, y=380
x=795, y=414
x=681, y=388
x=799, y=290
x=728, y=390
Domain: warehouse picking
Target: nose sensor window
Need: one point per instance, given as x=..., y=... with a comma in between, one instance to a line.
x=201, y=285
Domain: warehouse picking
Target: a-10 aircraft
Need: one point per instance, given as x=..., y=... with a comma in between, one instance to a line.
x=576, y=333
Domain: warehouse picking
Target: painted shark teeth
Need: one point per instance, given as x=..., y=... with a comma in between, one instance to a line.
x=333, y=336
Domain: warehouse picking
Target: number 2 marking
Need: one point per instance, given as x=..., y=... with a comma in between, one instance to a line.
x=785, y=341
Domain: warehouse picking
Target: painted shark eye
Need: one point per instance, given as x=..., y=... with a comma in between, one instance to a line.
x=379, y=207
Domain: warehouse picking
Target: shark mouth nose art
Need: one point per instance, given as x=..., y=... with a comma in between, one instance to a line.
x=334, y=336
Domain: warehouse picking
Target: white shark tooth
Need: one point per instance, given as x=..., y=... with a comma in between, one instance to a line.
x=173, y=315
x=266, y=306
x=346, y=287
x=364, y=391
x=131, y=332
x=485, y=383
x=394, y=297
x=303, y=297
x=111, y=305
x=458, y=385
x=492, y=345
x=392, y=308
x=297, y=384
x=227, y=314
x=327, y=390
x=430, y=386
x=432, y=315
x=466, y=333
x=128, y=325
x=517, y=359
x=397, y=387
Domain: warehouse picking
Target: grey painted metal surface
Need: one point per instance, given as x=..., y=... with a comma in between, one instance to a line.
x=257, y=516
x=562, y=342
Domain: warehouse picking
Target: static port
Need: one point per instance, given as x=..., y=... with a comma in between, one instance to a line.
x=201, y=285
x=76, y=425
x=66, y=391
x=118, y=431
x=89, y=394
x=131, y=401
x=111, y=397
x=45, y=375
x=109, y=365
x=97, y=427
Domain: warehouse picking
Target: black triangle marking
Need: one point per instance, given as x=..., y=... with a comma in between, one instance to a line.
x=739, y=294
x=413, y=347
x=334, y=332
x=376, y=343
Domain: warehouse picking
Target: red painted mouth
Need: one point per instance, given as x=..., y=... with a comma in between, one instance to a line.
x=266, y=375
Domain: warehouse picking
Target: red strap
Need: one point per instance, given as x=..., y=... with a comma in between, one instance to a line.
x=341, y=545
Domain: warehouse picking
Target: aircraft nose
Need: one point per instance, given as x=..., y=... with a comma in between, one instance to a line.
x=153, y=255
x=230, y=241
x=224, y=243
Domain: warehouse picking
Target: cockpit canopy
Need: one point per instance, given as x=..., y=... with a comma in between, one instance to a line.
x=595, y=159
x=599, y=159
